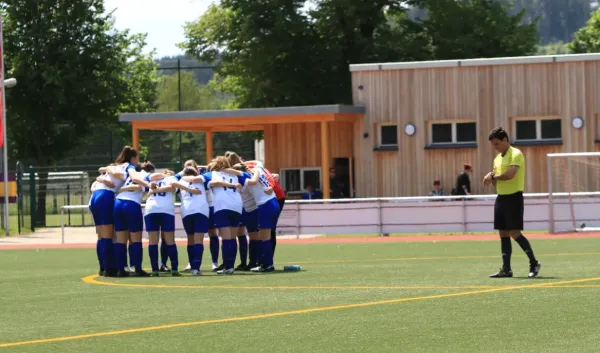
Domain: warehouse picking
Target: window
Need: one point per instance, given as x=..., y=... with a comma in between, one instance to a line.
x=537, y=129
x=295, y=180
x=388, y=135
x=453, y=133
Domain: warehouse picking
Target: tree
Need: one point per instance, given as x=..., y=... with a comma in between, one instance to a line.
x=75, y=72
x=477, y=29
x=553, y=48
x=193, y=96
x=587, y=39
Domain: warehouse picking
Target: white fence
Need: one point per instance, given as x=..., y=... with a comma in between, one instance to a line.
x=442, y=214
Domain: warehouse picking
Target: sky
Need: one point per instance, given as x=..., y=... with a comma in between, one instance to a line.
x=162, y=20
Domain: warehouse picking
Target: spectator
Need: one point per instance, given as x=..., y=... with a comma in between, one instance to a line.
x=311, y=194
x=335, y=185
x=438, y=190
x=463, y=181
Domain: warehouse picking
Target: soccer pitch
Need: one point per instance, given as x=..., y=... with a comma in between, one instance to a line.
x=366, y=297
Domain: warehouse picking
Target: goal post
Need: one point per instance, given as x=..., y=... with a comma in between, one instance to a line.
x=574, y=192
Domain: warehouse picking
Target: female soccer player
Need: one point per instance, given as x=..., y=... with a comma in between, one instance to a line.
x=102, y=204
x=159, y=215
x=129, y=220
x=268, y=210
x=194, y=213
x=100, y=179
x=190, y=238
x=228, y=209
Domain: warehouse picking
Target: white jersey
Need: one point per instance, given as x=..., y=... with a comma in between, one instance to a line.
x=226, y=198
x=248, y=199
x=135, y=196
x=258, y=190
x=117, y=182
x=162, y=202
x=192, y=203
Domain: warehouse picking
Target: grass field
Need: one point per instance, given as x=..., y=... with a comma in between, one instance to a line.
x=384, y=297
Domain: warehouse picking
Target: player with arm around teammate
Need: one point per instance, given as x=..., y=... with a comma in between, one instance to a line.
x=268, y=211
x=159, y=216
x=194, y=213
x=509, y=177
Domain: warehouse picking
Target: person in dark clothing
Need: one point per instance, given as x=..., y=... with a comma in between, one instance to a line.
x=335, y=185
x=463, y=181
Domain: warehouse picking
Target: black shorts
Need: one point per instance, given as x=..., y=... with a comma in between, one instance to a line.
x=508, y=212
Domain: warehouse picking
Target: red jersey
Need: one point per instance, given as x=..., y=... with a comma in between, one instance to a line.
x=279, y=192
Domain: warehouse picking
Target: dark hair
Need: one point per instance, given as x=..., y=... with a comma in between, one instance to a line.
x=436, y=182
x=498, y=134
x=148, y=167
x=467, y=166
x=190, y=163
x=190, y=171
x=138, y=168
x=126, y=154
x=241, y=166
x=233, y=158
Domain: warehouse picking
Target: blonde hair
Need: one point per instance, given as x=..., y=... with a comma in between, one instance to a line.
x=169, y=172
x=190, y=163
x=220, y=163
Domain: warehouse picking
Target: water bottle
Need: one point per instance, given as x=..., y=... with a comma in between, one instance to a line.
x=292, y=268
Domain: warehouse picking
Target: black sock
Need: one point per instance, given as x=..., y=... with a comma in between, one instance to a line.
x=274, y=239
x=524, y=243
x=506, y=247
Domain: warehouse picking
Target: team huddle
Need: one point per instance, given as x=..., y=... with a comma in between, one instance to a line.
x=228, y=198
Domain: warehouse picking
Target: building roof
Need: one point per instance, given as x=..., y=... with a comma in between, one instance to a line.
x=244, y=113
x=475, y=62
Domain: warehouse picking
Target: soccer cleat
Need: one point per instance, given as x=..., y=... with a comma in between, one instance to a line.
x=215, y=267
x=502, y=274
x=263, y=269
x=242, y=267
x=534, y=270
x=109, y=273
x=196, y=273
x=122, y=273
x=155, y=274
x=218, y=268
x=101, y=273
x=164, y=268
x=140, y=273
x=129, y=269
x=228, y=271
x=188, y=268
x=175, y=274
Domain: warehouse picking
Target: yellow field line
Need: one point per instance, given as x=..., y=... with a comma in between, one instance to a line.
x=575, y=286
x=92, y=279
x=426, y=258
x=285, y=313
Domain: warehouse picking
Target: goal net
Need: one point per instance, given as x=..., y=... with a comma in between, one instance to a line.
x=574, y=192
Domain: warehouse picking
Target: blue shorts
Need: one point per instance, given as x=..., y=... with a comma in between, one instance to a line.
x=211, y=218
x=160, y=221
x=268, y=214
x=128, y=216
x=102, y=207
x=250, y=221
x=226, y=218
x=195, y=223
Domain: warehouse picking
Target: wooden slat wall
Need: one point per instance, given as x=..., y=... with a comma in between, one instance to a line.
x=299, y=145
x=489, y=95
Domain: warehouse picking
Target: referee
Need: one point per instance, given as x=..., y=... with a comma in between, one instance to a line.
x=509, y=178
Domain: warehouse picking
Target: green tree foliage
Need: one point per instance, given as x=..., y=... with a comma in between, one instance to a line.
x=554, y=48
x=276, y=53
x=193, y=96
x=587, y=39
x=75, y=73
x=477, y=29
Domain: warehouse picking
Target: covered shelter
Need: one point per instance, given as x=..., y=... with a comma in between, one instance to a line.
x=300, y=142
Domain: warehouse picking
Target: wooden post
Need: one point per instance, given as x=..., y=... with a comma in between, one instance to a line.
x=325, y=160
x=135, y=137
x=209, y=146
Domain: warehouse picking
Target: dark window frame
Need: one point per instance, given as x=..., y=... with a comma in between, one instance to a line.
x=283, y=178
x=538, y=129
x=380, y=135
x=454, y=133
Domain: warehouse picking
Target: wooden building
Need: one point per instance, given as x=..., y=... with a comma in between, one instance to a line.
x=413, y=123
x=453, y=105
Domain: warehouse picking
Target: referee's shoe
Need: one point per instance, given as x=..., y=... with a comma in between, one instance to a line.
x=534, y=270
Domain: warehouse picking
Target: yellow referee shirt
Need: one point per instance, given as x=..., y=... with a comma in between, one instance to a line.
x=513, y=156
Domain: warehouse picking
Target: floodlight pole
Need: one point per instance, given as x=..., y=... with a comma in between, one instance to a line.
x=6, y=84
